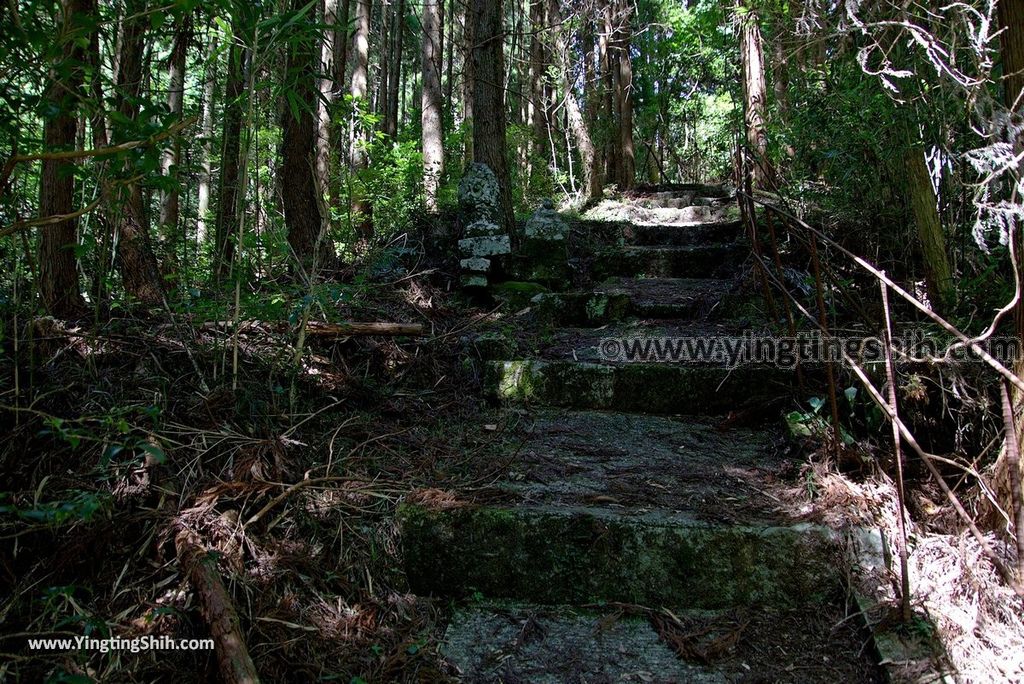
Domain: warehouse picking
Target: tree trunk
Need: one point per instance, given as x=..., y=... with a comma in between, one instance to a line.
x=489, y=145
x=340, y=66
x=591, y=172
x=1011, y=20
x=299, y=185
x=609, y=71
x=754, y=90
x=431, y=118
x=624, y=98
x=58, y=263
x=538, y=69
x=468, y=79
x=360, y=74
x=921, y=195
x=324, y=105
x=228, y=190
x=395, y=78
x=206, y=170
x=139, y=271
x=169, y=204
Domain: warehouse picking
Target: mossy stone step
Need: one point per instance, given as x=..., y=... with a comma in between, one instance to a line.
x=649, y=298
x=681, y=236
x=557, y=555
x=500, y=642
x=701, y=261
x=658, y=388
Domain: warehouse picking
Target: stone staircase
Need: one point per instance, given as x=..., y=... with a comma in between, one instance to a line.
x=641, y=531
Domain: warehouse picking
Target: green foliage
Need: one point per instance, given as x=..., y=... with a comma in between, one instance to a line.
x=393, y=184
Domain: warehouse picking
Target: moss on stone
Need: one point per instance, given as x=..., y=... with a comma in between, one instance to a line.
x=576, y=556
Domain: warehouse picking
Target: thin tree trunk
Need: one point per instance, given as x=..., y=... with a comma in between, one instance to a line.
x=591, y=173
x=449, y=47
x=340, y=63
x=206, y=170
x=228, y=187
x=395, y=79
x=169, y=197
x=609, y=72
x=489, y=143
x=139, y=271
x=538, y=69
x=58, y=263
x=431, y=118
x=360, y=73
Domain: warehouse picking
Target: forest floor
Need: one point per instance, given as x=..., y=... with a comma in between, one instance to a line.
x=142, y=427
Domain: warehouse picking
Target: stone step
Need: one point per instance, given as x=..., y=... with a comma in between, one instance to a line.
x=674, y=189
x=700, y=261
x=658, y=388
x=555, y=555
x=649, y=235
x=618, y=233
x=651, y=467
x=492, y=641
x=651, y=298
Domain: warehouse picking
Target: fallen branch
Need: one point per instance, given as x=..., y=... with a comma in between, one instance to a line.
x=320, y=329
x=236, y=666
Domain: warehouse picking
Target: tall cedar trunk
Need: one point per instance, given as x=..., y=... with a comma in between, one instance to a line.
x=139, y=272
x=489, y=146
x=538, y=69
x=228, y=190
x=169, y=161
x=754, y=94
x=1011, y=20
x=300, y=196
x=360, y=74
x=624, y=97
x=609, y=71
x=591, y=172
x=923, y=203
x=468, y=78
x=433, y=152
x=324, y=105
x=395, y=78
x=58, y=265
x=205, y=168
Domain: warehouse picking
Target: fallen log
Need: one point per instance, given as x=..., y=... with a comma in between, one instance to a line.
x=233, y=660
x=320, y=329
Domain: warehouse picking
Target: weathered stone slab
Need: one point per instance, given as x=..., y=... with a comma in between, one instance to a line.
x=543, y=645
x=478, y=264
x=657, y=388
x=485, y=245
x=566, y=555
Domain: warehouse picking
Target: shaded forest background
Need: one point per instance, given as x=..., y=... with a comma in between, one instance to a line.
x=173, y=172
